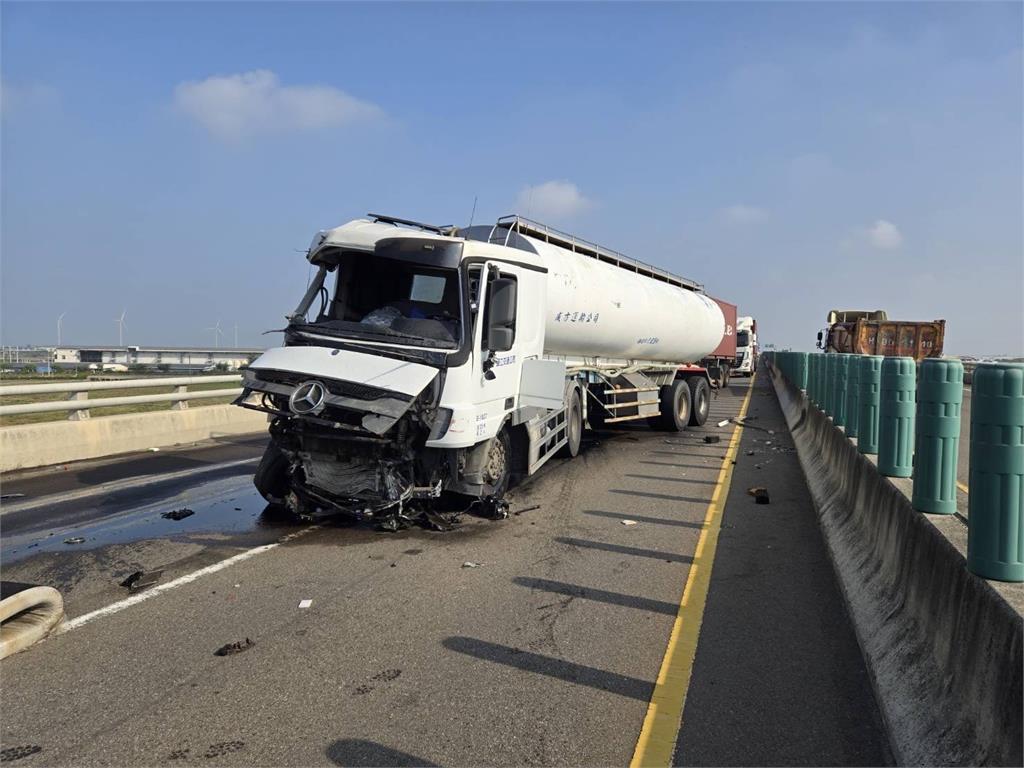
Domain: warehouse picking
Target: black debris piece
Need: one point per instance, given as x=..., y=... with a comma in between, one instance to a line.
x=233, y=648
x=712, y=439
x=760, y=494
x=178, y=514
x=526, y=509
x=142, y=579
x=74, y=540
x=491, y=507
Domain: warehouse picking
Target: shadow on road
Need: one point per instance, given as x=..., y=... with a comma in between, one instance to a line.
x=358, y=752
x=618, y=548
x=643, y=519
x=598, y=595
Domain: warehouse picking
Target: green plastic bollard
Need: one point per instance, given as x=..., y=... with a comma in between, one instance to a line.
x=800, y=370
x=940, y=393
x=812, y=373
x=896, y=410
x=839, y=396
x=870, y=386
x=995, y=518
x=819, y=374
x=852, y=395
x=826, y=384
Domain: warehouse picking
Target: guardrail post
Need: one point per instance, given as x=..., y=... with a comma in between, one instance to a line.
x=80, y=413
x=896, y=417
x=180, y=405
x=852, y=395
x=800, y=365
x=870, y=386
x=995, y=519
x=839, y=395
x=828, y=383
x=940, y=393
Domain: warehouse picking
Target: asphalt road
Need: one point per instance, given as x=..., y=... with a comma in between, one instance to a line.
x=544, y=653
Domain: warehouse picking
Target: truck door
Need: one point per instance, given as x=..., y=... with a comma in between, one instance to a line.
x=498, y=362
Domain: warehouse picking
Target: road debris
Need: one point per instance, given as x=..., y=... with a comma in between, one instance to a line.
x=628, y=522
x=760, y=494
x=6, y=496
x=233, y=648
x=74, y=540
x=471, y=564
x=723, y=423
x=750, y=453
x=178, y=514
x=712, y=439
x=154, y=450
x=526, y=509
x=305, y=603
x=491, y=506
x=142, y=579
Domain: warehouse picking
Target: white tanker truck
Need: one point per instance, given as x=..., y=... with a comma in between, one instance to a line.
x=425, y=359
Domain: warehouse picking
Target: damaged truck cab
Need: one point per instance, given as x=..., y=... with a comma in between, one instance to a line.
x=400, y=371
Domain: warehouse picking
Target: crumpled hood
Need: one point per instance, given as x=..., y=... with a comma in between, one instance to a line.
x=344, y=365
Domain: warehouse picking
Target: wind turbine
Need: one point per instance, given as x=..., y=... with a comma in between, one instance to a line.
x=120, y=328
x=60, y=319
x=217, y=333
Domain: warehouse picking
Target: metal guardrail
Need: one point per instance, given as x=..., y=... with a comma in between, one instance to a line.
x=79, y=403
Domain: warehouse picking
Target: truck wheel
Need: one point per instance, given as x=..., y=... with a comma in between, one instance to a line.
x=675, y=406
x=498, y=467
x=700, y=400
x=271, y=478
x=573, y=427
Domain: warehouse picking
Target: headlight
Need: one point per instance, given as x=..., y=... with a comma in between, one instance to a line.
x=442, y=420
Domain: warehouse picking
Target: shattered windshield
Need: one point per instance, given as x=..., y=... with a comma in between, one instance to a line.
x=393, y=299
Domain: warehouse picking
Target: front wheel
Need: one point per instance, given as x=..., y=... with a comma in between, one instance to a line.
x=498, y=468
x=700, y=401
x=271, y=478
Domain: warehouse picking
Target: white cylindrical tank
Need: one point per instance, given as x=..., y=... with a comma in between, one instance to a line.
x=596, y=309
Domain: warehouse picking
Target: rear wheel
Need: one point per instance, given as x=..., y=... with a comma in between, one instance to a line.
x=675, y=406
x=573, y=426
x=700, y=400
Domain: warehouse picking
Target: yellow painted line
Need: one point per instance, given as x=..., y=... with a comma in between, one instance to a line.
x=657, y=742
x=963, y=487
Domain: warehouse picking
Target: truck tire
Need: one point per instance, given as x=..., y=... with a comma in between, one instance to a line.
x=271, y=478
x=498, y=465
x=573, y=427
x=700, y=400
x=675, y=406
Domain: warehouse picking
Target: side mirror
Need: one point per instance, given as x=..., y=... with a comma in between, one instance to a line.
x=501, y=314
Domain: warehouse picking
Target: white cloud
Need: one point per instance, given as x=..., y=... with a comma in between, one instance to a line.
x=233, y=107
x=27, y=99
x=745, y=214
x=552, y=199
x=884, y=235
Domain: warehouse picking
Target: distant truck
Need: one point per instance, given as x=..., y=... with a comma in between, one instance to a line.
x=747, y=350
x=722, y=361
x=871, y=332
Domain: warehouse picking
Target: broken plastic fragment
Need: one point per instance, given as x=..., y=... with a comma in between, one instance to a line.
x=236, y=647
x=74, y=540
x=628, y=522
x=178, y=514
x=723, y=422
x=141, y=580
x=711, y=438
x=305, y=603
x=471, y=564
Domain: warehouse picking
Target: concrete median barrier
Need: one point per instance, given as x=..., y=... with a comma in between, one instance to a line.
x=944, y=647
x=59, y=442
x=27, y=614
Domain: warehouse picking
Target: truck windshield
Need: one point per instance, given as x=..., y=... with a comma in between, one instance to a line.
x=742, y=338
x=395, y=300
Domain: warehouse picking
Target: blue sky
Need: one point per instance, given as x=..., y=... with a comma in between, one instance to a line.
x=172, y=159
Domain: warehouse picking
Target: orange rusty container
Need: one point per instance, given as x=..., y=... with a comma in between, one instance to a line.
x=891, y=338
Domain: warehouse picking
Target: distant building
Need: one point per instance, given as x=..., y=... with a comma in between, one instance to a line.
x=174, y=358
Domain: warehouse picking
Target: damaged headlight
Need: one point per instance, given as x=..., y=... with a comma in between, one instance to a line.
x=442, y=420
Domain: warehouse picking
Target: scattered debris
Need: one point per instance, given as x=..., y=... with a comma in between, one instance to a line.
x=471, y=564
x=441, y=522
x=238, y=509
x=760, y=494
x=712, y=439
x=6, y=496
x=750, y=453
x=723, y=423
x=142, y=579
x=305, y=603
x=74, y=540
x=236, y=647
x=178, y=514
x=628, y=522
x=492, y=507
x=526, y=509
x=154, y=450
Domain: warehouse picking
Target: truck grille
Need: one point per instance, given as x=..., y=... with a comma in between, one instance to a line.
x=339, y=388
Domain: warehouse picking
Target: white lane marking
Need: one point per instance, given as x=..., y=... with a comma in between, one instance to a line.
x=120, y=485
x=188, y=578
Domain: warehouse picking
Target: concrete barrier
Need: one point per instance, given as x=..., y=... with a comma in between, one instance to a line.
x=58, y=442
x=943, y=646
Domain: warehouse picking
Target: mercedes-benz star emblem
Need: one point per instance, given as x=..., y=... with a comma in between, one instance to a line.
x=308, y=398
